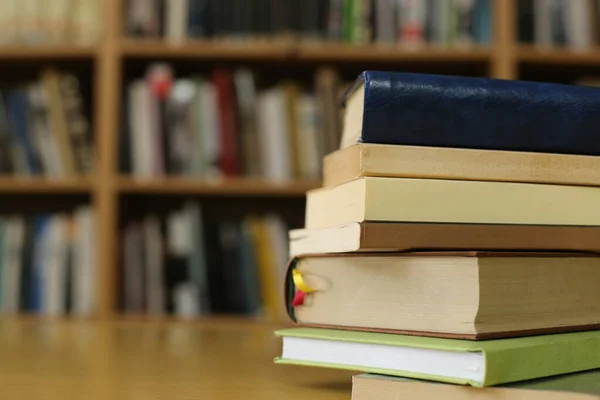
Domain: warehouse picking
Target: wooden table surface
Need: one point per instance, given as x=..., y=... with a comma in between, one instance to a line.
x=212, y=359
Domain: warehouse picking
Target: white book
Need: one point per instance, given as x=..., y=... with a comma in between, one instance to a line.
x=185, y=297
x=55, y=253
x=542, y=14
x=385, y=16
x=413, y=19
x=176, y=21
x=83, y=286
x=153, y=259
x=13, y=253
x=310, y=151
x=273, y=136
x=141, y=128
x=578, y=27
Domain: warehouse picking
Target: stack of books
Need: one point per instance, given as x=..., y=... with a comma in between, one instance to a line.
x=455, y=240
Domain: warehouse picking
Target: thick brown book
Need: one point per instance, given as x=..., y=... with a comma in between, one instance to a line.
x=395, y=237
x=462, y=164
x=468, y=295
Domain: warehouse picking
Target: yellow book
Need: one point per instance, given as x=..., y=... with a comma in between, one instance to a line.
x=434, y=200
x=267, y=268
x=464, y=164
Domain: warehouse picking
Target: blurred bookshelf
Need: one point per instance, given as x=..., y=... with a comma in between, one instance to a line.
x=132, y=200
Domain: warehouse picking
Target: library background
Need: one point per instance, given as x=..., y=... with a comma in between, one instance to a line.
x=153, y=154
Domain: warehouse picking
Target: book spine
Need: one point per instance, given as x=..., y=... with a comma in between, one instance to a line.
x=228, y=127
x=78, y=127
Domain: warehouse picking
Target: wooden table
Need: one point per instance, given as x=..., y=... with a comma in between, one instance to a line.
x=146, y=360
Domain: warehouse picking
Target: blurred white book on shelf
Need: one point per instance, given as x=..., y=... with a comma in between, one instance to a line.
x=185, y=298
x=54, y=252
x=84, y=274
x=141, y=129
x=273, y=136
x=542, y=15
x=176, y=12
x=578, y=23
x=412, y=15
x=309, y=143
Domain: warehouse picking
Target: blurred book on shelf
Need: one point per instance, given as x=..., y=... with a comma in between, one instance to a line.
x=50, y=22
x=44, y=130
x=224, y=124
x=47, y=263
x=188, y=265
x=551, y=23
x=407, y=22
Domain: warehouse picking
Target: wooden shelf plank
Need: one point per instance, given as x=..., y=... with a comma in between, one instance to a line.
x=28, y=185
x=558, y=56
x=46, y=52
x=323, y=52
x=228, y=187
x=202, y=49
x=294, y=51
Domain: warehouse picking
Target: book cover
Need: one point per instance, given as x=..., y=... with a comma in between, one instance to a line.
x=502, y=360
x=477, y=113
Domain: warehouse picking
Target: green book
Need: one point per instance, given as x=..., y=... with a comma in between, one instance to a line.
x=576, y=386
x=465, y=362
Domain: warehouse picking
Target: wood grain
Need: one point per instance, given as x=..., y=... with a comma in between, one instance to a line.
x=32, y=185
x=228, y=186
x=215, y=359
x=504, y=15
x=107, y=81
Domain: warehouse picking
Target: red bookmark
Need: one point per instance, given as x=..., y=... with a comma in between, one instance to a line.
x=298, y=298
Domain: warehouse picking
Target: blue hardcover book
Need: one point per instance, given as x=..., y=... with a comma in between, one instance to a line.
x=19, y=119
x=477, y=113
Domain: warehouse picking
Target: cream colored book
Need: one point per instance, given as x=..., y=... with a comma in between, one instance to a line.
x=434, y=200
x=470, y=295
x=465, y=164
